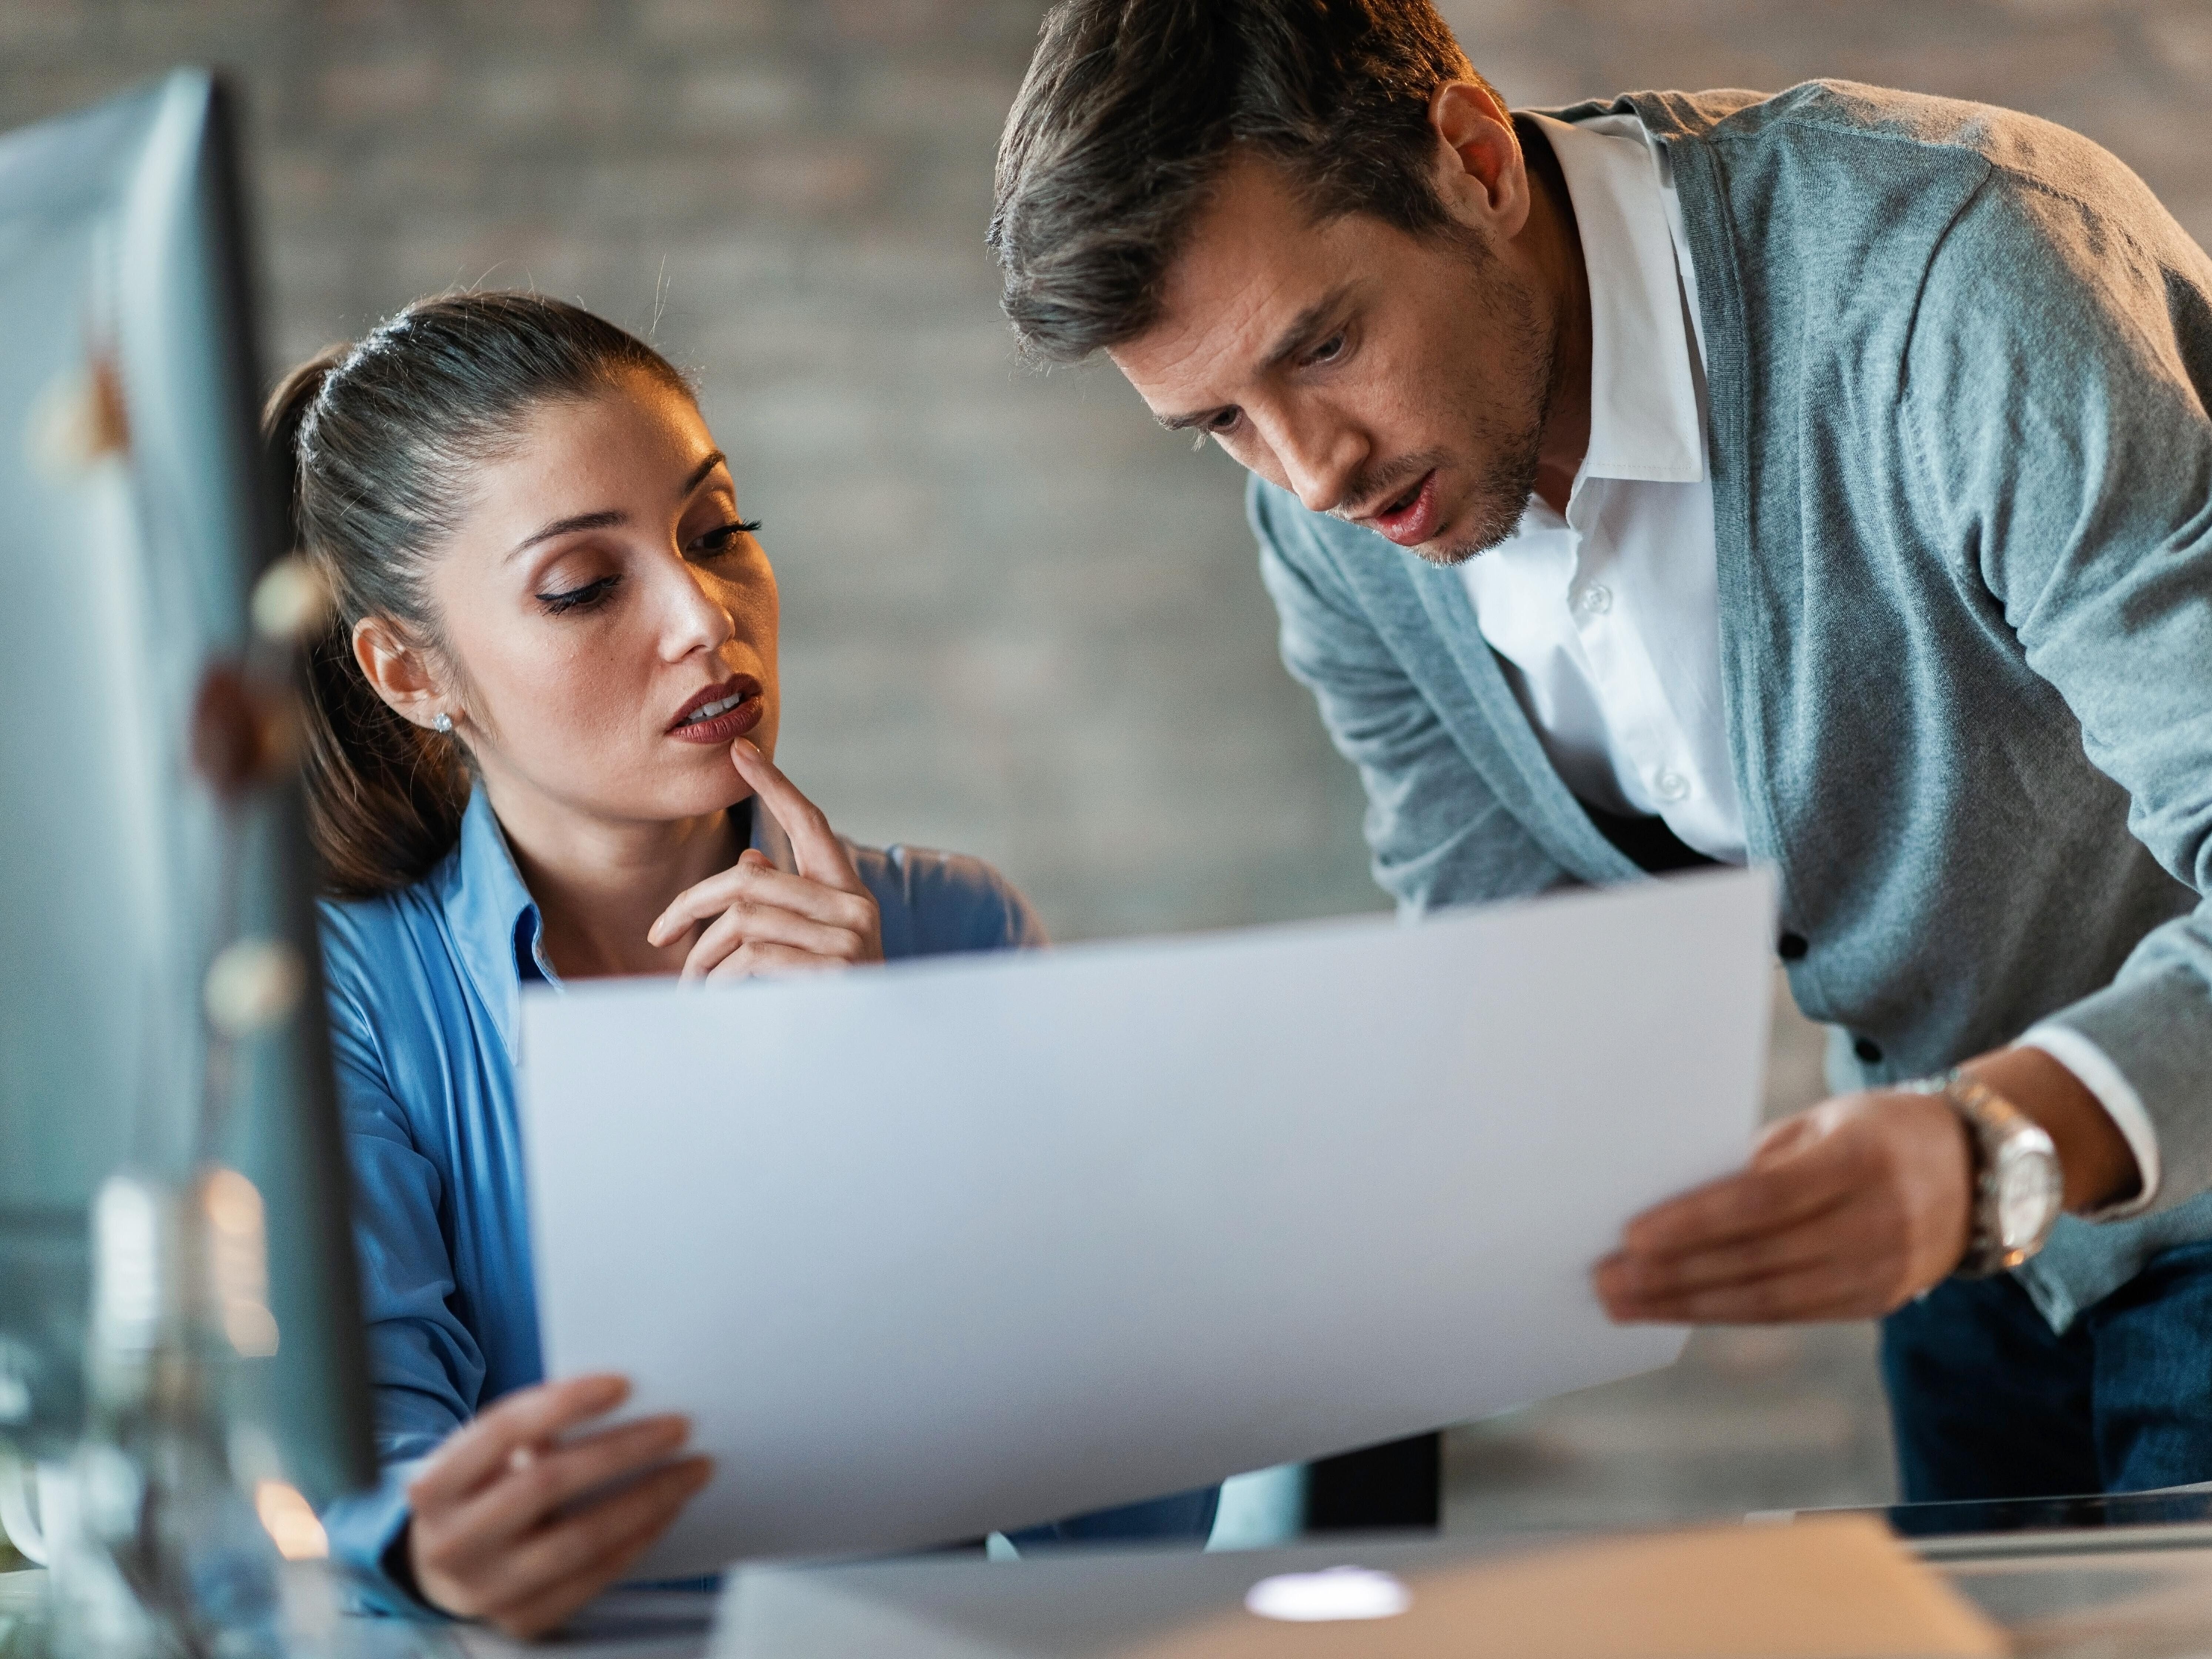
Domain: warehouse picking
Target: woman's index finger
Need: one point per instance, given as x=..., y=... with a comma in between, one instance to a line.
x=821, y=855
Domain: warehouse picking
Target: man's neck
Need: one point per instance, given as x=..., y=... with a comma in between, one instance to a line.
x=600, y=884
x=1555, y=248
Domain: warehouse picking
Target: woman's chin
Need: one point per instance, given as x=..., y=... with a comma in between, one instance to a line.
x=694, y=797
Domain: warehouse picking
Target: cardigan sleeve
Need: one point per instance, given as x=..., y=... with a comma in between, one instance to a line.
x=2059, y=374
x=1437, y=832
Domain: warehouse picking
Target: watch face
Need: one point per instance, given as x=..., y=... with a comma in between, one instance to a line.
x=2028, y=1196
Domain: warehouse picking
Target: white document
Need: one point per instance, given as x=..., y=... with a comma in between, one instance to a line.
x=967, y=1244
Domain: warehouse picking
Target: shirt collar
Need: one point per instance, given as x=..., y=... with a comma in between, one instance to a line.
x=1644, y=422
x=495, y=923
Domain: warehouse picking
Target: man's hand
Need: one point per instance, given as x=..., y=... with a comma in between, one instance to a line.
x=1849, y=1209
x=1844, y=1212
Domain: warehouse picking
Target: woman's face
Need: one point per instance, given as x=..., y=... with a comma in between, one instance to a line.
x=610, y=620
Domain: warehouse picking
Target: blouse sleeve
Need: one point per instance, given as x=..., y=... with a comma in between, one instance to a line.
x=937, y=903
x=425, y=1368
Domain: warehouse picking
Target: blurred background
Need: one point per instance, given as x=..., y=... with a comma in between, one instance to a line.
x=1020, y=620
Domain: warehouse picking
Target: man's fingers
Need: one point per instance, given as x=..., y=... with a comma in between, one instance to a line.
x=1635, y=1274
x=475, y=1453
x=587, y=1551
x=1844, y=1212
x=1743, y=1206
x=1783, y=1140
x=821, y=855
x=1829, y=1292
x=483, y=1525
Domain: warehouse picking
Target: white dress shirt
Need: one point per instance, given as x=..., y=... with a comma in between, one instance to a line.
x=1608, y=619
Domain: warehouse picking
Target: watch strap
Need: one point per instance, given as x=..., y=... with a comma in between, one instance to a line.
x=1992, y=1124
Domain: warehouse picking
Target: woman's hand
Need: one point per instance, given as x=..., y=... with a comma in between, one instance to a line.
x=496, y=1534
x=767, y=920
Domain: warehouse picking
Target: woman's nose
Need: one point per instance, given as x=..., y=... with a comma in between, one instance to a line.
x=695, y=619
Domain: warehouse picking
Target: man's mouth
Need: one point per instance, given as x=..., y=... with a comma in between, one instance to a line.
x=1409, y=519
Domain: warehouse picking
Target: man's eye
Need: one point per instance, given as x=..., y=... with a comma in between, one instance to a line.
x=1223, y=422
x=1329, y=350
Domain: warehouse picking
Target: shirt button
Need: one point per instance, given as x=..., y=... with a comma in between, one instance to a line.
x=1671, y=785
x=1867, y=1050
x=1596, y=599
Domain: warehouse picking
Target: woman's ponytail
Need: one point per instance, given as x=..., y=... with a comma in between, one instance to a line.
x=371, y=443
x=384, y=798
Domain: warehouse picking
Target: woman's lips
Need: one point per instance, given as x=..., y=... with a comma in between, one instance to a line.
x=742, y=694
x=727, y=726
x=1415, y=522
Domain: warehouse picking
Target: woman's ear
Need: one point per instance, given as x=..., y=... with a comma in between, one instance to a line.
x=397, y=671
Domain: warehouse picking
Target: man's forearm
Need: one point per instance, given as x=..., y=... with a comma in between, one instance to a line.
x=2094, y=1156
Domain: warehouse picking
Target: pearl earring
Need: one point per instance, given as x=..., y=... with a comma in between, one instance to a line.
x=443, y=725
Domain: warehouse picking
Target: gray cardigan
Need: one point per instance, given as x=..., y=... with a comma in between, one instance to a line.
x=1959, y=363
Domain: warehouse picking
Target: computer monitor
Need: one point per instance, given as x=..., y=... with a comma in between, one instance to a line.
x=134, y=522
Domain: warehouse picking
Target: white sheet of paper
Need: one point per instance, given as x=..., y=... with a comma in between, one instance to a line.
x=971, y=1243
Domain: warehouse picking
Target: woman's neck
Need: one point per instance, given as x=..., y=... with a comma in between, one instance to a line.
x=599, y=884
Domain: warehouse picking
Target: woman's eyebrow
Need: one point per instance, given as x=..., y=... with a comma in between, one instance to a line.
x=603, y=519
x=607, y=517
x=699, y=472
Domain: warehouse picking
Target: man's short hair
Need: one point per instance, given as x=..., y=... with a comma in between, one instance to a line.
x=1132, y=108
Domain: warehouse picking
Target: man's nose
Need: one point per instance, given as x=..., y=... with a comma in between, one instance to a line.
x=1318, y=459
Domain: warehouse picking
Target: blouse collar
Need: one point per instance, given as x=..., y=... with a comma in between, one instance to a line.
x=495, y=925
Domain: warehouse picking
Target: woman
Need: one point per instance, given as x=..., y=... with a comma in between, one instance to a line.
x=538, y=748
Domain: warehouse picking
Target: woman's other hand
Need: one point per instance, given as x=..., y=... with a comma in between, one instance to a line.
x=497, y=1534
x=762, y=920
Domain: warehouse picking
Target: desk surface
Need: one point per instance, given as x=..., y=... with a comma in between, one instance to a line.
x=2109, y=1597
x=2100, y=1603
x=2104, y=1598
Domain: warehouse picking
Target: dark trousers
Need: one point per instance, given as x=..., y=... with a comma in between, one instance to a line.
x=1987, y=1401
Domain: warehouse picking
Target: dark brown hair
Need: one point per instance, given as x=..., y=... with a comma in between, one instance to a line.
x=374, y=442
x=1131, y=108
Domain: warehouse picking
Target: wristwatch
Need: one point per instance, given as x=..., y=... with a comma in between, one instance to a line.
x=2018, y=1189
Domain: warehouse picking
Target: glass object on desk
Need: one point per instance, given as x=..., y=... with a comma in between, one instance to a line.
x=154, y=1550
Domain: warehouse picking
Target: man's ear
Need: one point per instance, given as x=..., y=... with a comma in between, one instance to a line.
x=1480, y=176
x=397, y=671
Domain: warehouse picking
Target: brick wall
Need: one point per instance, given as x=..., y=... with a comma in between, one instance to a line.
x=1019, y=619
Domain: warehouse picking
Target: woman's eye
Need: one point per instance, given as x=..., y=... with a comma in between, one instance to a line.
x=722, y=536
x=579, y=598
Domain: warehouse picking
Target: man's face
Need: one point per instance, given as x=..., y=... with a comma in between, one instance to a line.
x=1397, y=382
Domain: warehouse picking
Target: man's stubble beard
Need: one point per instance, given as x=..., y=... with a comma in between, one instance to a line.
x=1511, y=440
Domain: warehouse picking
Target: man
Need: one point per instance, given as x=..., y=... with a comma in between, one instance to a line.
x=1822, y=480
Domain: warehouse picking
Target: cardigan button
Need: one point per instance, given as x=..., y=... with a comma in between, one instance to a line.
x=1792, y=947
x=1867, y=1050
